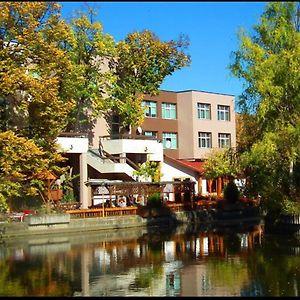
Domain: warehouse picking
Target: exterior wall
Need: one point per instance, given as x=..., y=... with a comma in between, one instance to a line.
x=163, y=125
x=170, y=172
x=101, y=129
x=189, y=125
x=186, y=115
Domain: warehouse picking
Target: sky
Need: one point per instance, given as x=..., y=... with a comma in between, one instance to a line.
x=211, y=27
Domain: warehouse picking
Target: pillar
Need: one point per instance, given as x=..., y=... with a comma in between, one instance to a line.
x=219, y=187
x=200, y=185
x=84, y=199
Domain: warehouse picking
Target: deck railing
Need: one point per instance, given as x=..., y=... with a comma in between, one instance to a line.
x=132, y=210
x=102, y=212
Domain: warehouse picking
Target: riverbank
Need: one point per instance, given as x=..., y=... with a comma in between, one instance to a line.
x=62, y=223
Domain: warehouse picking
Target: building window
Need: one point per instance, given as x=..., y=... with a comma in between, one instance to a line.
x=224, y=140
x=150, y=108
x=150, y=133
x=115, y=125
x=169, y=140
x=204, y=139
x=203, y=111
x=223, y=113
x=168, y=111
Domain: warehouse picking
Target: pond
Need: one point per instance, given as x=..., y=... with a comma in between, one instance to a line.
x=184, y=261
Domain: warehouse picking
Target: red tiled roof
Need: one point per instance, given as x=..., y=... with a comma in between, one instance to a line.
x=192, y=165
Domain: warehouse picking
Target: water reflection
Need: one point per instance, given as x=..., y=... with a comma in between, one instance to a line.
x=188, y=261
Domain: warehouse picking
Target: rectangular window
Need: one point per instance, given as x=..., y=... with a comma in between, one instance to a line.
x=168, y=111
x=203, y=111
x=150, y=133
x=115, y=125
x=150, y=108
x=169, y=140
x=223, y=113
x=204, y=139
x=224, y=140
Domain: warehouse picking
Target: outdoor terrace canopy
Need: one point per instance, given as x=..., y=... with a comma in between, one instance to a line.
x=116, y=187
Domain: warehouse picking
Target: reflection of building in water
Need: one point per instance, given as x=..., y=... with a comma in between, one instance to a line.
x=193, y=265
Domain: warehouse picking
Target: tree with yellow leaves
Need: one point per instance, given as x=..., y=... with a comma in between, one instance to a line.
x=34, y=95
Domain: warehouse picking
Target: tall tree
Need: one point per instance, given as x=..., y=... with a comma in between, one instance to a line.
x=269, y=64
x=91, y=53
x=33, y=69
x=20, y=161
x=142, y=63
x=34, y=95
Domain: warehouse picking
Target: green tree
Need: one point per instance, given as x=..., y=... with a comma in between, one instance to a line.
x=91, y=53
x=142, y=63
x=268, y=63
x=149, y=169
x=221, y=162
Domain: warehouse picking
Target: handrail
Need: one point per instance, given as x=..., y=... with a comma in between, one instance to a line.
x=116, y=159
x=102, y=212
x=120, y=136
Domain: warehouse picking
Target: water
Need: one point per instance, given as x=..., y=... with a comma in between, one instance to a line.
x=187, y=261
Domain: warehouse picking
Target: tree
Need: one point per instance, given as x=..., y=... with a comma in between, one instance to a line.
x=148, y=169
x=268, y=63
x=34, y=95
x=20, y=161
x=91, y=52
x=246, y=131
x=33, y=69
x=142, y=63
x=221, y=163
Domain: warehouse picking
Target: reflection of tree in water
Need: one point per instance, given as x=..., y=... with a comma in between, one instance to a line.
x=144, y=277
x=277, y=273
x=37, y=276
x=231, y=272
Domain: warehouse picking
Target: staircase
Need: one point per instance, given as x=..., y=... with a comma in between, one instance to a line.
x=106, y=163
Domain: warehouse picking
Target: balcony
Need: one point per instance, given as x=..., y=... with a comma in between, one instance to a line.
x=133, y=144
x=70, y=142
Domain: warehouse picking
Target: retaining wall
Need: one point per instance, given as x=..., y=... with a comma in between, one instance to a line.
x=54, y=224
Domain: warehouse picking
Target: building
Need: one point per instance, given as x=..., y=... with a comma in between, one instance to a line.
x=190, y=123
x=179, y=131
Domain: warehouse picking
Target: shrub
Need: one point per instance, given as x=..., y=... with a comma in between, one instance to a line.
x=154, y=200
x=231, y=193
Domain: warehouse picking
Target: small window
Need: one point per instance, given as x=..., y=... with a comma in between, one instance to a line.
x=151, y=133
x=168, y=111
x=204, y=139
x=150, y=108
x=204, y=111
x=223, y=113
x=169, y=140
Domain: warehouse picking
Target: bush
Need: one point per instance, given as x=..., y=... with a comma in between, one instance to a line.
x=289, y=207
x=231, y=193
x=154, y=200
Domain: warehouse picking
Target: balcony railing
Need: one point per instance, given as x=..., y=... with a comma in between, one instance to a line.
x=122, y=136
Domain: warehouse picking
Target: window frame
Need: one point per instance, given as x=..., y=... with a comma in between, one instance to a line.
x=207, y=139
x=223, y=112
x=147, y=133
x=168, y=107
x=206, y=110
x=164, y=139
x=149, y=105
x=226, y=137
